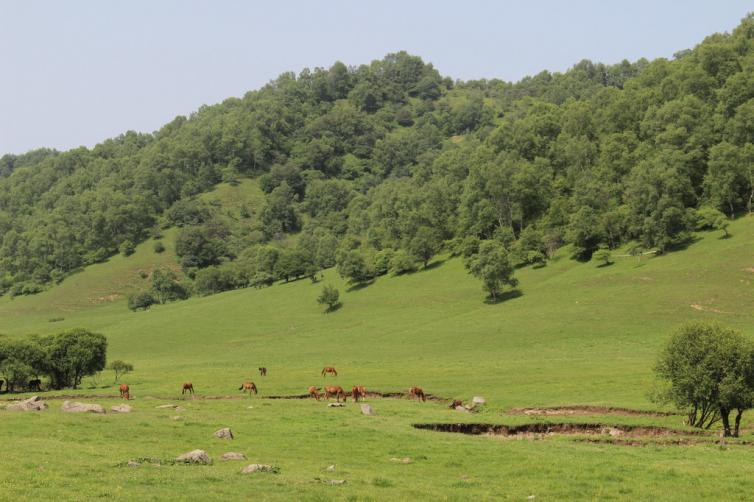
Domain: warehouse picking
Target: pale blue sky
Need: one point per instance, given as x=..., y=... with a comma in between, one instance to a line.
x=77, y=72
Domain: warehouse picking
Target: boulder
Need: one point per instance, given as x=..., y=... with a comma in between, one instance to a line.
x=367, y=410
x=404, y=460
x=478, y=401
x=166, y=406
x=74, y=407
x=335, y=405
x=232, y=455
x=195, y=457
x=257, y=468
x=461, y=408
x=337, y=481
x=224, y=433
x=34, y=403
x=133, y=463
x=121, y=408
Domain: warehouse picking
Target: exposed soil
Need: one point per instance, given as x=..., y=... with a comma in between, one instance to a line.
x=581, y=410
x=370, y=393
x=539, y=430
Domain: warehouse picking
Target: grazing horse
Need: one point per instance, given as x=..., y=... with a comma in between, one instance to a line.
x=35, y=385
x=188, y=387
x=125, y=391
x=262, y=371
x=314, y=392
x=455, y=404
x=358, y=392
x=1, y=384
x=329, y=369
x=336, y=391
x=248, y=386
x=416, y=392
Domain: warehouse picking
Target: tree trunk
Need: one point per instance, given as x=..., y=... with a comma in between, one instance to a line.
x=739, y=413
x=725, y=415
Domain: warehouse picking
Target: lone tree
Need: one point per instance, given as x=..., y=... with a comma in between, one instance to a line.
x=330, y=296
x=708, y=371
x=493, y=266
x=120, y=368
x=602, y=257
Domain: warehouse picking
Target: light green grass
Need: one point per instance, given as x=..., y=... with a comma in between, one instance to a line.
x=578, y=334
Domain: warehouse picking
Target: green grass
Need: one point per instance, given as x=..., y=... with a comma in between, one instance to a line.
x=577, y=334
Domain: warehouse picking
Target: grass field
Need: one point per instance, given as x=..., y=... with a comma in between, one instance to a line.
x=576, y=334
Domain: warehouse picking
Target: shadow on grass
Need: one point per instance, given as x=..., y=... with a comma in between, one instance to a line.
x=334, y=308
x=360, y=285
x=605, y=265
x=504, y=297
x=683, y=245
x=433, y=265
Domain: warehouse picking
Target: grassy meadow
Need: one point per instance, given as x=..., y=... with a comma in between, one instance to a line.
x=573, y=334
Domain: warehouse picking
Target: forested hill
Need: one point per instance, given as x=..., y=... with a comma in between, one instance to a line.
x=380, y=165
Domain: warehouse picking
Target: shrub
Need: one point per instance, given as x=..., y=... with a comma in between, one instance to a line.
x=141, y=300
x=72, y=355
x=602, y=257
x=402, y=262
x=159, y=247
x=127, y=248
x=330, y=297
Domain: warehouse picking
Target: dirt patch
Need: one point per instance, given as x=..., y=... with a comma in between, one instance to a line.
x=581, y=410
x=539, y=430
x=370, y=394
x=702, y=308
x=749, y=269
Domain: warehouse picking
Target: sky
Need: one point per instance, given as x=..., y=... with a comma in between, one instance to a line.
x=81, y=71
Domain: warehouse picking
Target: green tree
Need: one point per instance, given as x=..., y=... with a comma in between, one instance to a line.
x=120, y=368
x=712, y=219
x=141, y=300
x=329, y=296
x=425, y=244
x=707, y=371
x=603, y=257
x=492, y=266
x=166, y=287
x=72, y=355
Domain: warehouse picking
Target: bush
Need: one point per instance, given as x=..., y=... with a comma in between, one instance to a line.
x=159, y=247
x=402, y=262
x=602, y=257
x=72, y=355
x=382, y=261
x=127, y=248
x=330, y=297
x=141, y=300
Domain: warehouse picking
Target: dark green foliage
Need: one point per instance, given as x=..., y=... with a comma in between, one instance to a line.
x=330, y=297
x=711, y=219
x=602, y=257
x=425, y=244
x=159, y=247
x=141, y=300
x=708, y=371
x=492, y=265
x=352, y=266
x=166, y=287
x=127, y=248
x=402, y=262
x=72, y=355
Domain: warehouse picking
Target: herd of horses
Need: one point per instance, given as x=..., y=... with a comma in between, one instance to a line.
x=358, y=392
x=34, y=385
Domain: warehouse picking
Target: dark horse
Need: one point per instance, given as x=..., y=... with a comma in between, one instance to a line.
x=187, y=387
x=329, y=369
x=263, y=371
x=35, y=385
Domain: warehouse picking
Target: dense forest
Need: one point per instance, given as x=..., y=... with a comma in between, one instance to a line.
x=376, y=168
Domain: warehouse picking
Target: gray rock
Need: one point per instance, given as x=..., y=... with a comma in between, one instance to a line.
x=195, y=457
x=232, y=455
x=166, y=406
x=335, y=405
x=121, y=408
x=74, y=407
x=34, y=403
x=479, y=401
x=133, y=463
x=404, y=460
x=463, y=409
x=337, y=481
x=224, y=433
x=257, y=468
x=367, y=410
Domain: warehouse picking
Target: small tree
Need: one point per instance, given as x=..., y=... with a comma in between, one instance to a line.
x=708, y=372
x=165, y=286
x=330, y=297
x=159, y=247
x=120, y=368
x=493, y=266
x=72, y=355
x=603, y=257
x=425, y=244
x=402, y=263
x=712, y=219
x=141, y=300
x=127, y=248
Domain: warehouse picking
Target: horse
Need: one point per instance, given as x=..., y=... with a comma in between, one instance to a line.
x=262, y=371
x=336, y=391
x=35, y=385
x=314, y=392
x=455, y=404
x=416, y=392
x=187, y=387
x=248, y=386
x=358, y=392
x=1, y=384
x=125, y=391
x=329, y=369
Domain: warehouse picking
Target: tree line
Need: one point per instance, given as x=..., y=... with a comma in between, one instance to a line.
x=378, y=167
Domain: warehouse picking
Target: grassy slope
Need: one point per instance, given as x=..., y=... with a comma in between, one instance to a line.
x=577, y=334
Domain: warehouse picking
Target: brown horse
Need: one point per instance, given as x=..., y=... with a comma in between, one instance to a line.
x=248, y=386
x=336, y=391
x=314, y=392
x=262, y=371
x=188, y=387
x=455, y=404
x=358, y=392
x=329, y=369
x=125, y=391
x=417, y=393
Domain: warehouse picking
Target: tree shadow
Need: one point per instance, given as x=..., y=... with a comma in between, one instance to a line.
x=683, y=245
x=605, y=265
x=334, y=308
x=504, y=297
x=360, y=285
x=433, y=265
